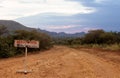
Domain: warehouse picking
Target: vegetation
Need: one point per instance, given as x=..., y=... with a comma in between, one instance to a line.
x=94, y=39
x=101, y=37
x=7, y=48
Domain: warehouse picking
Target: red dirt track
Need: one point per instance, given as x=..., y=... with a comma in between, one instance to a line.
x=63, y=62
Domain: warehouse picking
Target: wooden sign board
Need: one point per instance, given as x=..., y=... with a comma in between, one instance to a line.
x=26, y=43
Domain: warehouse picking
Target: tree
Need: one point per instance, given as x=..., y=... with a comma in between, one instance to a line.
x=108, y=38
x=93, y=36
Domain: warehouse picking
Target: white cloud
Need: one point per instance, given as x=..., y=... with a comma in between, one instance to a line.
x=69, y=28
x=86, y=29
x=19, y=8
x=61, y=27
x=101, y=1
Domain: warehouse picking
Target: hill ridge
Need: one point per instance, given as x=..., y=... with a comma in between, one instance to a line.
x=14, y=25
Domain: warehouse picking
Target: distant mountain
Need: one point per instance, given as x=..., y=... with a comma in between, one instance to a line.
x=13, y=25
x=63, y=34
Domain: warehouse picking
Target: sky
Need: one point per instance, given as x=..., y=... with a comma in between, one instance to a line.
x=70, y=15
x=11, y=9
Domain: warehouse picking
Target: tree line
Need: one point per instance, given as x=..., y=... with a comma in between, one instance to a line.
x=92, y=37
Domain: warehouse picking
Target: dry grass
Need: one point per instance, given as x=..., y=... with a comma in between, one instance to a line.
x=111, y=47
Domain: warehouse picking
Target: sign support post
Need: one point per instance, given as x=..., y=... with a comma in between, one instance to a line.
x=26, y=44
x=25, y=71
x=25, y=60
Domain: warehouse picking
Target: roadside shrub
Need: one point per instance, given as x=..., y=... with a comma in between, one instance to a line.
x=44, y=39
x=7, y=48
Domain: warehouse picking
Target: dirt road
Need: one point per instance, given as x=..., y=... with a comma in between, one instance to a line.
x=62, y=62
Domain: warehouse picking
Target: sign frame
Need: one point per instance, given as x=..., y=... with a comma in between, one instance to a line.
x=26, y=43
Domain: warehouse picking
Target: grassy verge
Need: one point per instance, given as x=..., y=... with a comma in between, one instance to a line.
x=112, y=47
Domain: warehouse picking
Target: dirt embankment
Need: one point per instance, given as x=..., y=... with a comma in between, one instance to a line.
x=64, y=62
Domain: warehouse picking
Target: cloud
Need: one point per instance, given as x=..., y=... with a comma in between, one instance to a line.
x=89, y=14
x=61, y=27
x=31, y=1
x=70, y=28
x=32, y=7
x=90, y=3
x=100, y=1
x=104, y=18
x=84, y=29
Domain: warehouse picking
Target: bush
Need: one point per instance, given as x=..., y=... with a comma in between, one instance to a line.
x=101, y=37
x=7, y=48
x=44, y=39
